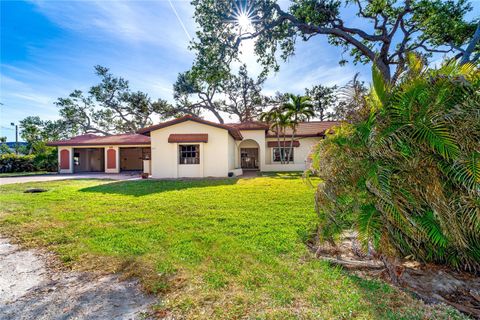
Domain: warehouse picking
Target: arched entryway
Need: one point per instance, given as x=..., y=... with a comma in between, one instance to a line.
x=249, y=155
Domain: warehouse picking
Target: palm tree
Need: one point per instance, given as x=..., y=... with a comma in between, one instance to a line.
x=278, y=122
x=297, y=109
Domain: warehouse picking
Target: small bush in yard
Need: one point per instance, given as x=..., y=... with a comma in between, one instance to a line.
x=11, y=162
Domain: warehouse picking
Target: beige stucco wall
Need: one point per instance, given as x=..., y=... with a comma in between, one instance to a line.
x=232, y=153
x=300, y=155
x=266, y=164
x=214, y=155
x=259, y=137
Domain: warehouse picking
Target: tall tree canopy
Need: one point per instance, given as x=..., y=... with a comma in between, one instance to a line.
x=35, y=132
x=244, y=95
x=109, y=107
x=322, y=99
x=391, y=29
x=206, y=89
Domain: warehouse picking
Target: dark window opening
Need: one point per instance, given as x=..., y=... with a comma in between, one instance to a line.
x=283, y=152
x=189, y=154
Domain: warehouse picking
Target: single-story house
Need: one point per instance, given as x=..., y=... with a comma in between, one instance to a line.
x=191, y=147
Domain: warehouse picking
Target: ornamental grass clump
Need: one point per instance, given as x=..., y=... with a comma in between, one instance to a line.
x=407, y=176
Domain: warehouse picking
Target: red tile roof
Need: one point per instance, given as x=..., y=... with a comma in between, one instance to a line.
x=234, y=132
x=250, y=125
x=309, y=129
x=91, y=139
x=188, y=137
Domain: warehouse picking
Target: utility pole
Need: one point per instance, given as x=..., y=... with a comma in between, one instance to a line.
x=16, y=136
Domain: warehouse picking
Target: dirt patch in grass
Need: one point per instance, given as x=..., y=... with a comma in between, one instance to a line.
x=432, y=283
x=32, y=287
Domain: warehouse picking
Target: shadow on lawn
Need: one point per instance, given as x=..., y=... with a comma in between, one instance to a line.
x=145, y=187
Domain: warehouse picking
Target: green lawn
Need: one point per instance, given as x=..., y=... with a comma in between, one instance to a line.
x=224, y=249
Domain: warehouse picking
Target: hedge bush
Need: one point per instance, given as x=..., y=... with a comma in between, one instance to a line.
x=11, y=162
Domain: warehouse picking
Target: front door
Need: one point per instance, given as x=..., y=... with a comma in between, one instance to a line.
x=249, y=158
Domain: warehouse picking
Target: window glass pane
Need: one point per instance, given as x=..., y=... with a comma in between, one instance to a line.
x=189, y=154
x=284, y=152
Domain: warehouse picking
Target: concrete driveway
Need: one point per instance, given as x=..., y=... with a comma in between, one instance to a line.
x=53, y=177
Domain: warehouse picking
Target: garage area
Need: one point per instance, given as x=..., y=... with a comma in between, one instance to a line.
x=131, y=159
x=88, y=160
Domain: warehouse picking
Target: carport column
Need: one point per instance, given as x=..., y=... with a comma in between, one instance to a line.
x=112, y=159
x=65, y=159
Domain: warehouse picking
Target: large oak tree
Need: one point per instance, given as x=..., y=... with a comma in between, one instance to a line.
x=390, y=29
x=109, y=107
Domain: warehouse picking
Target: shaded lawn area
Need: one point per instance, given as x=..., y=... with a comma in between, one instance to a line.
x=231, y=248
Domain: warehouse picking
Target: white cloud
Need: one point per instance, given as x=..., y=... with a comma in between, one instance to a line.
x=134, y=22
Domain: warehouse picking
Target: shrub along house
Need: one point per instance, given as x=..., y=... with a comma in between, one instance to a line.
x=190, y=147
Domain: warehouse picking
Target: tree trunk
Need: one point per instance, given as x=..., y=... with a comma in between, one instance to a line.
x=217, y=114
x=290, y=149
x=384, y=69
x=279, y=147
x=471, y=46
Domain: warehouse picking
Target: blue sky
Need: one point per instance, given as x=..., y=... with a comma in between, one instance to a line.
x=49, y=48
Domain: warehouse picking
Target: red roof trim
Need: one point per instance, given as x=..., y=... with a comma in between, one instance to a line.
x=235, y=133
x=274, y=144
x=187, y=137
x=94, y=140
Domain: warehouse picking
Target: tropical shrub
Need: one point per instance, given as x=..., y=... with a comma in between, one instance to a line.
x=42, y=161
x=11, y=162
x=407, y=178
x=47, y=160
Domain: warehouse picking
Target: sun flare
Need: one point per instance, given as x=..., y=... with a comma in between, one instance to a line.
x=243, y=21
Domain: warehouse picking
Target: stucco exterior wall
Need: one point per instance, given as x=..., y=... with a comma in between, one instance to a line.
x=232, y=154
x=259, y=137
x=300, y=155
x=70, y=153
x=214, y=155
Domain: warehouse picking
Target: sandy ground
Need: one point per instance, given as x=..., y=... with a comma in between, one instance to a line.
x=88, y=175
x=31, y=290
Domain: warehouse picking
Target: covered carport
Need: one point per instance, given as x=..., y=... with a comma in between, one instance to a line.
x=88, y=160
x=131, y=158
x=110, y=154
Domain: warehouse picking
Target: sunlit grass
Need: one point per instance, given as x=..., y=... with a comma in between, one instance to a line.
x=209, y=249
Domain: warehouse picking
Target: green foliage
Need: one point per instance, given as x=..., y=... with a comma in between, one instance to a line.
x=17, y=163
x=212, y=90
x=411, y=170
x=42, y=161
x=109, y=107
x=388, y=31
x=322, y=98
x=292, y=110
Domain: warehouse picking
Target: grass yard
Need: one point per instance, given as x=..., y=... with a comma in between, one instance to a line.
x=210, y=249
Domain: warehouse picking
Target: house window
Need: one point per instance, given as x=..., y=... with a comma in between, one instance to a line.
x=189, y=154
x=284, y=152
